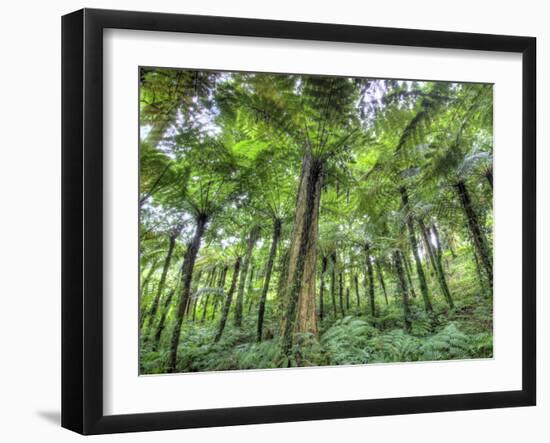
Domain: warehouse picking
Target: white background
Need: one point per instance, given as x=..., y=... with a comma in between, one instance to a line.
x=30, y=221
x=125, y=393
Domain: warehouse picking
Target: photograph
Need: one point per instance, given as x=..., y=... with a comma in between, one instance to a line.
x=295, y=220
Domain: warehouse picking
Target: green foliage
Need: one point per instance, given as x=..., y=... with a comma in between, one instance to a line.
x=346, y=341
x=234, y=149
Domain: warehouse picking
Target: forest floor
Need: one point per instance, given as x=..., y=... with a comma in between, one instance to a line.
x=464, y=332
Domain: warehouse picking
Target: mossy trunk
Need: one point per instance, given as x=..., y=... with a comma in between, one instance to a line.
x=301, y=315
x=397, y=259
x=187, y=277
x=381, y=279
x=333, y=283
x=250, y=289
x=408, y=274
x=322, y=288
x=478, y=236
x=435, y=259
x=370, y=275
x=228, y=299
x=252, y=239
x=211, y=279
x=220, y=286
x=356, y=284
x=162, y=281
x=268, y=270
x=162, y=321
x=341, y=293
x=414, y=246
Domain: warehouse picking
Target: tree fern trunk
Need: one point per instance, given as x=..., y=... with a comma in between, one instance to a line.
x=478, y=237
x=371, y=280
x=228, y=299
x=322, y=288
x=381, y=279
x=162, y=281
x=435, y=259
x=187, y=276
x=403, y=289
x=272, y=254
x=252, y=238
x=301, y=295
x=414, y=246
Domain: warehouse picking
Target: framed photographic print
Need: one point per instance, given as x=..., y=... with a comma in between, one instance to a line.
x=269, y=221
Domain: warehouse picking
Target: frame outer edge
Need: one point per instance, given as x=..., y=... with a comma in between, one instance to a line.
x=72, y=365
x=82, y=249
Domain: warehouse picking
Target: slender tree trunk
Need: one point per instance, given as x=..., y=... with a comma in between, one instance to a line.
x=187, y=276
x=160, y=288
x=408, y=274
x=301, y=315
x=414, y=245
x=281, y=283
x=228, y=299
x=145, y=281
x=142, y=292
x=403, y=289
x=210, y=287
x=435, y=259
x=333, y=283
x=347, y=299
x=269, y=268
x=250, y=289
x=341, y=293
x=221, y=285
x=162, y=321
x=480, y=242
x=322, y=288
x=371, y=280
x=191, y=299
x=381, y=279
x=356, y=283
x=252, y=238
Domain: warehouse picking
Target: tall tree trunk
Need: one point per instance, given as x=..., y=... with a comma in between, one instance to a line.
x=282, y=280
x=269, y=268
x=186, y=276
x=341, y=293
x=435, y=259
x=480, y=242
x=381, y=279
x=189, y=305
x=252, y=238
x=162, y=321
x=145, y=281
x=414, y=245
x=333, y=282
x=322, y=288
x=356, y=283
x=228, y=299
x=221, y=285
x=250, y=289
x=160, y=288
x=371, y=280
x=347, y=298
x=408, y=273
x=142, y=292
x=403, y=289
x=210, y=287
x=301, y=315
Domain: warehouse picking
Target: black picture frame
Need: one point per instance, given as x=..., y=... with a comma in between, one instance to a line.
x=82, y=219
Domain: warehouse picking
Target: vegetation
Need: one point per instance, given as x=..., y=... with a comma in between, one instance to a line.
x=300, y=220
